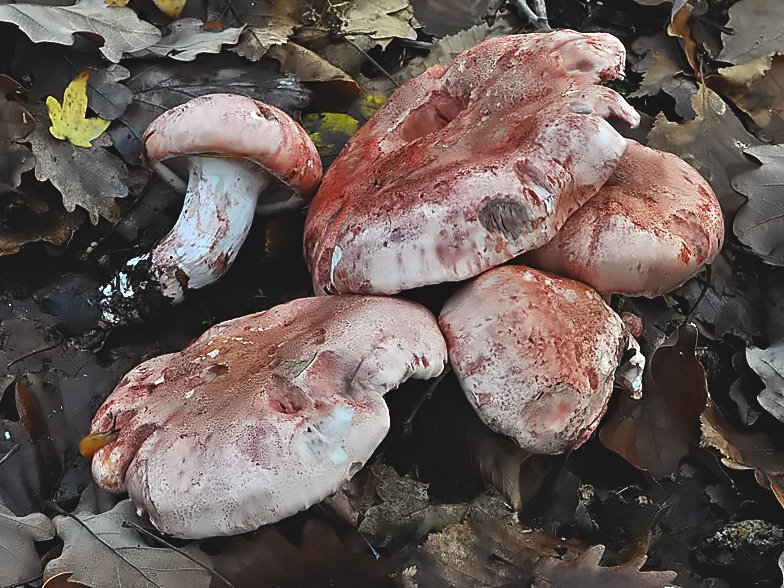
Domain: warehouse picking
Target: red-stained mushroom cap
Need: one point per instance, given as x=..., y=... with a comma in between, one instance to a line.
x=650, y=228
x=263, y=415
x=233, y=148
x=537, y=354
x=468, y=165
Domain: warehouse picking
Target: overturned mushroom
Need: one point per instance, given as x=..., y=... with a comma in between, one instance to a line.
x=263, y=415
x=537, y=355
x=469, y=165
x=233, y=148
x=650, y=228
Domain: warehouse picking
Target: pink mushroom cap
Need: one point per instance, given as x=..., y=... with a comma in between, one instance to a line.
x=263, y=415
x=650, y=228
x=469, y=165
x=536, y=355
x=236, y=126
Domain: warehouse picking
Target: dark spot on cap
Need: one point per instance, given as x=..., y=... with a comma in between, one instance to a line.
x=511, y=218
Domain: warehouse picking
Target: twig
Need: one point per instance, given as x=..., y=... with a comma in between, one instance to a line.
x=694, y=306
x=154, y=537
x=373, y=61
x=26, y=582
x=36, y=351
x=8, y=455
x=65, y=513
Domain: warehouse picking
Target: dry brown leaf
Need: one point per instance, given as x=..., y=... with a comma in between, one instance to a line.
x=38, y=215
x=485, y=554
x=656, y=432
x=679, y=27
x=757, y=88
x=741, y=450
x=585, y=572
x=713, y=143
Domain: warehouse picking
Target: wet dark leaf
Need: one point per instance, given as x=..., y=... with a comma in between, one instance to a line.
x=769, y=363
x=656, y=432
x=158, y=86
x=713, y=143
x=14, y=161
x=441, y=18
x=760, y=222
x=16, y=122
x=33, y=215
x=320, y=560
x=91, y=178
x=52, y=67
x=733, y=302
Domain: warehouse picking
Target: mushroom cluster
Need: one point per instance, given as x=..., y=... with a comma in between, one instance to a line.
x=464, y=168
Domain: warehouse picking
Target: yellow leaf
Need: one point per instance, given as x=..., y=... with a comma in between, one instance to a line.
x=171, y=8
x=68, y=120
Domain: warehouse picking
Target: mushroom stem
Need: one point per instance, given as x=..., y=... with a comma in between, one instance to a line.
x=214, y=222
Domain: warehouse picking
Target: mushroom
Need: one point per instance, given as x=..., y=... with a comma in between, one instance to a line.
x=233, y=148
x=469, y=165
x=537, y=355
x=263, y=415
x=650, y=228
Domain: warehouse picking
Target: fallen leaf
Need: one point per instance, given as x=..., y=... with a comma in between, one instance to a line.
x=120, y=28
x=713, y=143
x=448, y=17
x=27, y=216
x=679, y=27
x=656, y=432
x=381, y=20
x=758, y=30
x=91, y=178
x=740, y=450
x=171, y=8
x=733, y=301
x=269, y=22
x=68, y=121
x=16, y=122
x=14, y=161
x=157, y=87
x=319, y=559
x=18, y=558
x=769, y=363
x=760, y=222
x=757, y=88
x=63, y=581
x=52, y=67
x=585, y=572
x=308, y=66
x=186, y=38
x=484, y=554
x=112, y=555
x=407, y=513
